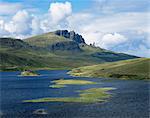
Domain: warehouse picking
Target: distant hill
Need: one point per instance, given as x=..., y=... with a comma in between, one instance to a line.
x=14, y=43
x=57, y=50
x=128, y=69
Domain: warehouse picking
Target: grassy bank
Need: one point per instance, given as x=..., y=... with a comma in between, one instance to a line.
x=128, y=69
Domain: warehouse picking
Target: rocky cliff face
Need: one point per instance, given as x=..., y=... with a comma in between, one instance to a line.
x=65, y=46
x=71, y=35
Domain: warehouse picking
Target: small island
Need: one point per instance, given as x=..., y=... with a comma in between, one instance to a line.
x=63, y=83
x=29, y=73
x=91, y=95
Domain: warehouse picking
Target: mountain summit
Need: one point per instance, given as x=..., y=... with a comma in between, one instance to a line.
x=71, y=35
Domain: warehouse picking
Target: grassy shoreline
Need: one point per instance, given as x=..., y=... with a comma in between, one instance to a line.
x=128, y=69
x=33, y=68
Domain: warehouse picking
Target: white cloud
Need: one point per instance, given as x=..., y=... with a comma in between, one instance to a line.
x=10, y=27
x=59, y=11
x=93, y=37
x=2, y=31
x=1, y=24
x=87, y=23
x=20, y=23
x=118, y=22
x=7, y=8
x=111, y=40
x=36, y=26
x=104, y=40
x=118, y=32
x=24, y=23
x=56, y=17
x=21, y=16
x=79, y=20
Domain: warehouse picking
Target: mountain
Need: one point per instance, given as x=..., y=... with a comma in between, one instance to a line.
x=62, y=41
x=57, y=50
x=58, y=40
x=127, y=69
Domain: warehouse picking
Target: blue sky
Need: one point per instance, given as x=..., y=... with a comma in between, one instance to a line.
x=43, y=5
x=117, y=25
x=79, y=5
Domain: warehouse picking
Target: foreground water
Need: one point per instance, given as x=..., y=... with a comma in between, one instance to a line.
x=130, y=99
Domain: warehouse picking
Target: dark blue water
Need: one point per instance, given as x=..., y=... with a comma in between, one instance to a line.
x=130, y=99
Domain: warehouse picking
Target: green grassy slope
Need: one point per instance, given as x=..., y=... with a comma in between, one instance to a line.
x=84, y=51
x=16, y=58
x=128, y=69
x=44, y=40
x=21, y=59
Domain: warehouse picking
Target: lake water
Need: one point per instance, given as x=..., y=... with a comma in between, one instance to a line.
x=130, y=99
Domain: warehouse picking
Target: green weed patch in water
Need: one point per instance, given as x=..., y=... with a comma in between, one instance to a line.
x=91, y=95
x=62, y=83
x=57, y=86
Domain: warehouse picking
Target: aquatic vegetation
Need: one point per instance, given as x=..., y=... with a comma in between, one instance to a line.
x=40, y=111
x=57, y=86
x=91, y=95
x=62, y=83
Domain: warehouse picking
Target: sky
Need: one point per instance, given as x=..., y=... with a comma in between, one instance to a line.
x=117, y=25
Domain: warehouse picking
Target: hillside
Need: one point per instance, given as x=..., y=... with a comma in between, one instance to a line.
x=44, y=40
x=53, y=51
x=62, y=42
x=48, y=39
x=128, y=69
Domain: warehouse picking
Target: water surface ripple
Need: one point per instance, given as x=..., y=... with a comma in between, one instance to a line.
x=130, y=99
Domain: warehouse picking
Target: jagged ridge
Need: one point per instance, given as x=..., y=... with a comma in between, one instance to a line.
x=71, y=35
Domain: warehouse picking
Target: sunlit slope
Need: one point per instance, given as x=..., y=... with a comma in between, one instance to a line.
x=66, y=46
x=44, y=40
x=15, y=54
x=128, y=69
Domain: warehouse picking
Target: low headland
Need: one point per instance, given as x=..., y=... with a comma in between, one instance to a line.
x=128, y=69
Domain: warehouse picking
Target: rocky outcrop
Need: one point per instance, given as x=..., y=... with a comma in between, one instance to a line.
x=70, y=35
x=65, y=46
